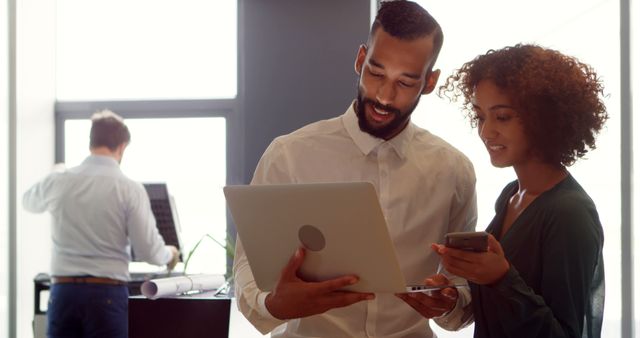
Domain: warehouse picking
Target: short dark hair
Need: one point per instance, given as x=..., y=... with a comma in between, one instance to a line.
x=406, y=20
x=108, y=130
x=557, y=97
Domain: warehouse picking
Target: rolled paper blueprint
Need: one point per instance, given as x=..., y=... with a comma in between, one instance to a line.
x=172, y=286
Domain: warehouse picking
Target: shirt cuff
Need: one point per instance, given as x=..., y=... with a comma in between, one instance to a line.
x=168, y=255
x=459, y=315
x=262, y=306
x=459, y=304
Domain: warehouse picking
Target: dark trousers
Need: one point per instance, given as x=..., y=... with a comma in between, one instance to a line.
x=87, y=310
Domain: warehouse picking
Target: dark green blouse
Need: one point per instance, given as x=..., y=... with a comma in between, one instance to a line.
x=555, y=286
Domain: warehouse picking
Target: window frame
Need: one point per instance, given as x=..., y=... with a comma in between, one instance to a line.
x=628, y=317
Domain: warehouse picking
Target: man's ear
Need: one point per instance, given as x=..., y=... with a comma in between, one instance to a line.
x=121, y=148
x=432, y=80
x=362, y=55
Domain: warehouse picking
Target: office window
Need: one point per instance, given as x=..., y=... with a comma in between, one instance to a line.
x=146, y=49
x=171, y=66
x=568, y=26
x=189, y=155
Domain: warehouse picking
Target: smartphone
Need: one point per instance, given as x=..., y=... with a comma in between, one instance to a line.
x=469, y=241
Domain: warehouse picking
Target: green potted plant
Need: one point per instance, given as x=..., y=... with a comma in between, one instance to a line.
x=230, y=248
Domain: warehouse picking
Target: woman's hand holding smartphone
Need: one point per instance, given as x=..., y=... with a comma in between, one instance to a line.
x=469, y=241
x=475, y=256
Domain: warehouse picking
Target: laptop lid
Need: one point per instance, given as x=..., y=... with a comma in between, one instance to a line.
x=341, y=225
x=166, y=215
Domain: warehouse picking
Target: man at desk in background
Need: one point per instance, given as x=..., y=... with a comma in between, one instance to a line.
x=426, y=188
x=98, y=214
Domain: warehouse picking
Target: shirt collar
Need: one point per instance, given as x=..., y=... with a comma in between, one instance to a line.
x=367, y=143
x=101, y=160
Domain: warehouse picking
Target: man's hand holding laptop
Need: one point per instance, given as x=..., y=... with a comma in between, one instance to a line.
x=295, y=298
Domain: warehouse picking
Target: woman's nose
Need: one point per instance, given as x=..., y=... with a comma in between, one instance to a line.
x=486, y=130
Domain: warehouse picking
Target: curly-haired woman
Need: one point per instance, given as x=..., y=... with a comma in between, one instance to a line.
x=538, y=111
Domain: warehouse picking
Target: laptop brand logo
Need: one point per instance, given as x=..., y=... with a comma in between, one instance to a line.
x=311, y=237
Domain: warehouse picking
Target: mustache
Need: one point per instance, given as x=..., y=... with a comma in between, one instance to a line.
x=380, y=106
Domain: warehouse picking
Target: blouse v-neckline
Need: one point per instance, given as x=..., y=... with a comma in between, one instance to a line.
x=502, y=212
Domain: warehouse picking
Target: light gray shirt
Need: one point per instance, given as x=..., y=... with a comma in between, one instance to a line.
x=426, y=189
x=98, y=214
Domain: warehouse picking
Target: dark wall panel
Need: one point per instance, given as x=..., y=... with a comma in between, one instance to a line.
x=297, y=65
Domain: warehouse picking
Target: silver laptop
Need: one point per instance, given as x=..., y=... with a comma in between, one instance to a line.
x=341, y=225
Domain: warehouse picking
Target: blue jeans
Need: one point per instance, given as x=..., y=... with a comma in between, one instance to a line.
x=88, y=310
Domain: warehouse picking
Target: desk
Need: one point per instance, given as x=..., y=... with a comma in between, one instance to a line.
x=238, y=326
x=186, y=316
x=168, y=311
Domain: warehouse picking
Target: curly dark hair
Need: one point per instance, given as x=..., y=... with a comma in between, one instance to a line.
x=558, y=98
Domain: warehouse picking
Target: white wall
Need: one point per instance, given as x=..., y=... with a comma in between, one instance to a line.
x=35, y=143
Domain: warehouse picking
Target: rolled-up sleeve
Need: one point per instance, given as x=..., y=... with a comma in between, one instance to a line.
x=37, y=198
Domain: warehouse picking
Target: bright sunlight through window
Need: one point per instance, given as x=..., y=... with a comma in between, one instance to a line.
x=146, y=49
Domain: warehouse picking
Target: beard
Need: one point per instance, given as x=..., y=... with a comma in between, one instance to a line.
x=400, y=118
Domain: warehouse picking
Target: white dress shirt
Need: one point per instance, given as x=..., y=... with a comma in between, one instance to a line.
x=426, y=189
x=97, y=213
